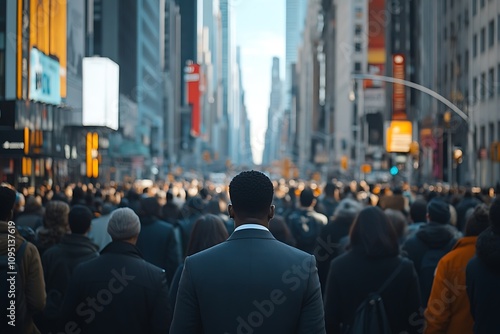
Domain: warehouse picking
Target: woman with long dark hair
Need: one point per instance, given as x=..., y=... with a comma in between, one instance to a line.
x=208, y=230
x=373, y=256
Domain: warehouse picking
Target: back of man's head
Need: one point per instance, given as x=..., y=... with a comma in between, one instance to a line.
x=418, y=211
x=306, y=197
x=124, y=224
x=150, y=206
x=478, y=221
x=330, y=189
x=79, y=218
x=438, y=211
x=251, y=194
x=7, y=201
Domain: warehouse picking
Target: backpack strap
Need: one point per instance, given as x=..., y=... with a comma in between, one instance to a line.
x=391, y=278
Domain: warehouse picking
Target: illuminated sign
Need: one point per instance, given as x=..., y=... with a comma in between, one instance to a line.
x=193, y=93
x=399, y=90
x=399, y=137
x=44, y=78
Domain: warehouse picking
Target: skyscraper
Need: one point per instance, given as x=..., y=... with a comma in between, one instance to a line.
x=274, y=116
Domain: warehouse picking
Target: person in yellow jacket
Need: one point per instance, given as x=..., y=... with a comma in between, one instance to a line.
x=448, y=308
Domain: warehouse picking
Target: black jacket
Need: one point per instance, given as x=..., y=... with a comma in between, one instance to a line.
x=251, y=283
x=118, y=292
x=58, y=263
x=353, y=276
x=482, y=281
x=158, y=245
x=432, y=236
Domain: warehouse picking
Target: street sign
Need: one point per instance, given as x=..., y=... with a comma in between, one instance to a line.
x=399, y=137
x=12, y=142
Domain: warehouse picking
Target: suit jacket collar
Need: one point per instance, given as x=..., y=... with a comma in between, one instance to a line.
x=251, y=234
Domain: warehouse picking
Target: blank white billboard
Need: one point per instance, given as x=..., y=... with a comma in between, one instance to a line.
x=100, y=92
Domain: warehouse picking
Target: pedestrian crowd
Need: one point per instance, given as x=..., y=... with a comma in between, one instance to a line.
x=254, y=256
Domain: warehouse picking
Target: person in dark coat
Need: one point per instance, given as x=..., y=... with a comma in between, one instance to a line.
x=33, y=214
x=329, y=243
x=60, y=260
x=251, y=282
x=157, y=241
x=191, y=211
x=438, y=237
x=372, y=258
x=483, y=275
x=327, y=204
x=118, y=292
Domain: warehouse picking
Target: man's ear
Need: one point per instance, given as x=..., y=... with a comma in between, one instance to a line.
x=230, y=211
x=272, y=208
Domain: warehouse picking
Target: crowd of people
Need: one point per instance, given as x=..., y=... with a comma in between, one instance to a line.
x=253, y=256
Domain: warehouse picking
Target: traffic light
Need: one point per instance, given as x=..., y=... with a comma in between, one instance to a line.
x=344, y=162
x=394, y=170
x=92, y=155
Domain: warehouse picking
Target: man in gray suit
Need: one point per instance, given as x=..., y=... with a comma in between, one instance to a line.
x=250, y=283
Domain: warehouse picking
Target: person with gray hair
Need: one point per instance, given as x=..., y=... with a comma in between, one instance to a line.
x=119, y=292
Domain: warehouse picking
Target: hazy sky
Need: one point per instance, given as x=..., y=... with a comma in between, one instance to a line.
x=260, y=32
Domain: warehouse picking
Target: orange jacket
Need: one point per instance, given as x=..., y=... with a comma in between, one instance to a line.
x=448, y=309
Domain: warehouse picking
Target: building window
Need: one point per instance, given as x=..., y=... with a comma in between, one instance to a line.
x=357, y=30
x=482, y=89
x=445, y=33
x=474, y=7
x=445, y=74
x=491, y=33
x=466, y=17
x=444, y=6
x=357, y=47
x=491, y=83
x=474, y=46
x=498, y=76
x=357, y=67
x=452, y=71
x=459, y=22
x=459, y=66
x=482, y=3
x=466, y=62
x=474, y=89
x=451, y=3
x=482, y=41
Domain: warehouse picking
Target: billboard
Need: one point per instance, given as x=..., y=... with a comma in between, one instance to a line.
x=399, y=137
x=100, y=92
x=399, y=91
x=44, y=80
x=47, y=32
x=377, y=18
x=192, y=79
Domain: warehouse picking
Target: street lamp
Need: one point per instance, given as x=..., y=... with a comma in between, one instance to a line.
x=447, y=121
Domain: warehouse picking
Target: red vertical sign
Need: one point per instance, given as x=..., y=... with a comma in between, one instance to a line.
x=399, y=90
x=192, y=79
x=377, y=23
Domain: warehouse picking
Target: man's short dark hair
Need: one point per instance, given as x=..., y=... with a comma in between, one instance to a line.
x=418, y=211
x=251, y=194
x=330, y=189
x=79, y=218
x=306, y=197
x=7, y=201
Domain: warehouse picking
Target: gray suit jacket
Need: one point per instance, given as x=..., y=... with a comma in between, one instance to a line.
x=250, y=283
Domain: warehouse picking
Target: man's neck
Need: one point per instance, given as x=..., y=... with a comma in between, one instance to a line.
x=255, y=221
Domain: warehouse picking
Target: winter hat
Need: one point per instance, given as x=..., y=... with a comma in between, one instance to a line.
x=439, y=211
x=7, y=200
x=123, y=224
x=80, y=218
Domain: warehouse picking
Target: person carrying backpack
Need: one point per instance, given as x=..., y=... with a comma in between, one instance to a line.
x=430, y=243
x=29, y=296
x=371, y=288
x=305, y=223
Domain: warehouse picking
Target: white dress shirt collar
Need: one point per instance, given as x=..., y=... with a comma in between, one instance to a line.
x=251, y=226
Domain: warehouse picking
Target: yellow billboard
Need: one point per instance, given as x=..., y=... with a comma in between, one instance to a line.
x=399, y=137
x=47, y=29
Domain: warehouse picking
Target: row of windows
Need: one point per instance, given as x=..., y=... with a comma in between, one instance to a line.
x=485, y=85
x=482, y=37
x=474, y=5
